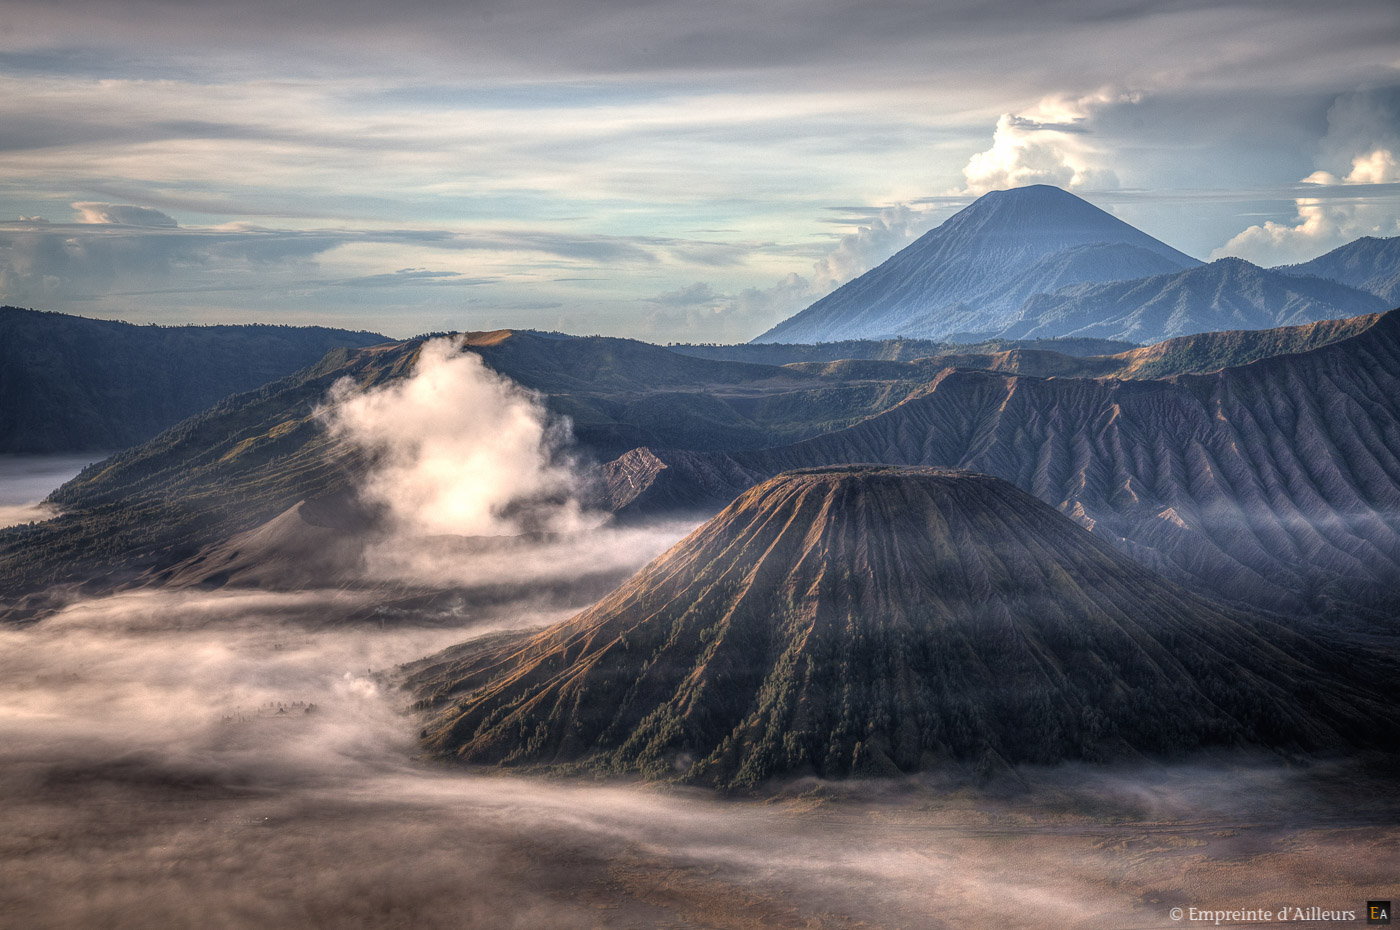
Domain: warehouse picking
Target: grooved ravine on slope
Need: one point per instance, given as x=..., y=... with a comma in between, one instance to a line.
x=873, y=620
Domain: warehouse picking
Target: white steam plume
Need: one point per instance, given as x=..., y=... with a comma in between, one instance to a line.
x=460, y=450
x=1049, y=144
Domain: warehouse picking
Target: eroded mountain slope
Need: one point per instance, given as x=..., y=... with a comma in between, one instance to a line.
x=875, y=620
x=1281, y=492
x=1276, y=483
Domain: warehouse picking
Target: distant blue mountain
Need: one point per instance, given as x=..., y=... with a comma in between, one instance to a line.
x=972, y=274
x=1369, y=264
x=1226, y=294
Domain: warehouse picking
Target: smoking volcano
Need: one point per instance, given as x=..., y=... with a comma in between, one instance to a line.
x=878, y=620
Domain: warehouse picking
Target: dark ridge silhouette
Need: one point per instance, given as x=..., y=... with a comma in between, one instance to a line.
x=71, y=384
x=1271, y=477
x=889, y=350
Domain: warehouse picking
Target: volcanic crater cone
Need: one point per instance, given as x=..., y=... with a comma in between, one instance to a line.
x=877, y=620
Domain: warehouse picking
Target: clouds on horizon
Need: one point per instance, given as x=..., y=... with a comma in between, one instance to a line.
x=247, y=158
x=121, y=249
x=1361, y=150
x=122, y=214
x=1049, y=144
x=703, y=314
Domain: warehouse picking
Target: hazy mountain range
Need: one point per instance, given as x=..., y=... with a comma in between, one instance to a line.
x=1039, y=262
x=70, y=384
x=1012, y=272
x=1226, y=294
x=1369, y=263
x=1273, y=482
x=1258, y=466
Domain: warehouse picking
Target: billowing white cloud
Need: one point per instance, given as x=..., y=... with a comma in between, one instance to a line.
x=458, y=449
x=699, y=313
x=1049, y=144
x=1323, y=223
x=122, y=214
x=869, y=245
x=1363, y=144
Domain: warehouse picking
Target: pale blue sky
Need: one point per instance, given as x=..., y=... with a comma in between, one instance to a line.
x=667, y=170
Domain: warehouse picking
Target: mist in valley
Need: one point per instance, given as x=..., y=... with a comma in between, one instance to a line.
x=174, y=760
x=25, y=480
x=231, y=758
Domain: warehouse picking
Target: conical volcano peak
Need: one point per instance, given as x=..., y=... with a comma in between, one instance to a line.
x=877, y=620
x=972, y=273
x=854, y=487
x=928, y=538
x=1047, y=206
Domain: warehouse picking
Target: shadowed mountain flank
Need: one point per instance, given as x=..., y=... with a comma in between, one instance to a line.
x=223, y=472
x=888, y=350
x=1226, y=294
x=1273, y=480
x=1367, y=263
x=1200, y=353
x=1276, y=483
x=872, y=620
x=1039, y=263
x=68, y=383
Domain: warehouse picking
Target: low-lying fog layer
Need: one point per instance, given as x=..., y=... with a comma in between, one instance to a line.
x=25, y=480
x=235, y=760
x=200, y=761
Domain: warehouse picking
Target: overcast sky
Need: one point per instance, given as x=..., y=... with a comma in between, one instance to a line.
x=665, y=169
